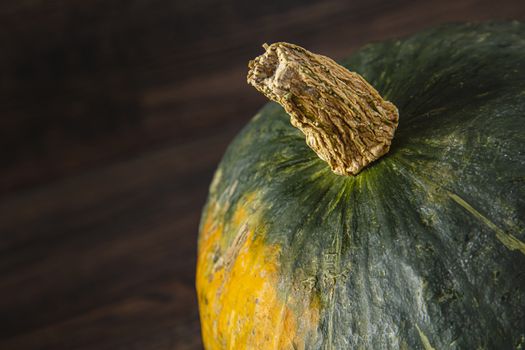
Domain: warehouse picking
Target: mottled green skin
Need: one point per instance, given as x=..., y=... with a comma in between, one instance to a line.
x=393, y=249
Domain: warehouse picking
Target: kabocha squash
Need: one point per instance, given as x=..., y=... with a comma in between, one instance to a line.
x=374, y=237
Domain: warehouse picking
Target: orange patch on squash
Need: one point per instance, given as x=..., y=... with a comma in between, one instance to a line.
x=238, y=276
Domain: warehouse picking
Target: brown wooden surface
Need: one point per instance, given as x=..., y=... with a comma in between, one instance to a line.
x=114, y=114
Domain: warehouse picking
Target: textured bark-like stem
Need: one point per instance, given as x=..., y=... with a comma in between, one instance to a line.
x=345, y=120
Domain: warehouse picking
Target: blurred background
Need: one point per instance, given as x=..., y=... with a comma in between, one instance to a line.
x=113, y=117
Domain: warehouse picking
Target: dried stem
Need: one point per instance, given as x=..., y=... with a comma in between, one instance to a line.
x=345, y=120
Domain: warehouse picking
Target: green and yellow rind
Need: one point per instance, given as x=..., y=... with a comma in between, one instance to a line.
x=423, y=249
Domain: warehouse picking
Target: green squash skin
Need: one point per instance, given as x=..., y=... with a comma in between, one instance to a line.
x=424, y=248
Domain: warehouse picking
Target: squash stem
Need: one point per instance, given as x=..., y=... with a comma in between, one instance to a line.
x=345, y=120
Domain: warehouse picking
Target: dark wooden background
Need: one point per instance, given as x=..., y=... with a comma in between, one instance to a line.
x=113, y=116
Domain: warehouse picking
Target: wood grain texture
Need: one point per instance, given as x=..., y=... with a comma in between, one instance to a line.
x=114, y=116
